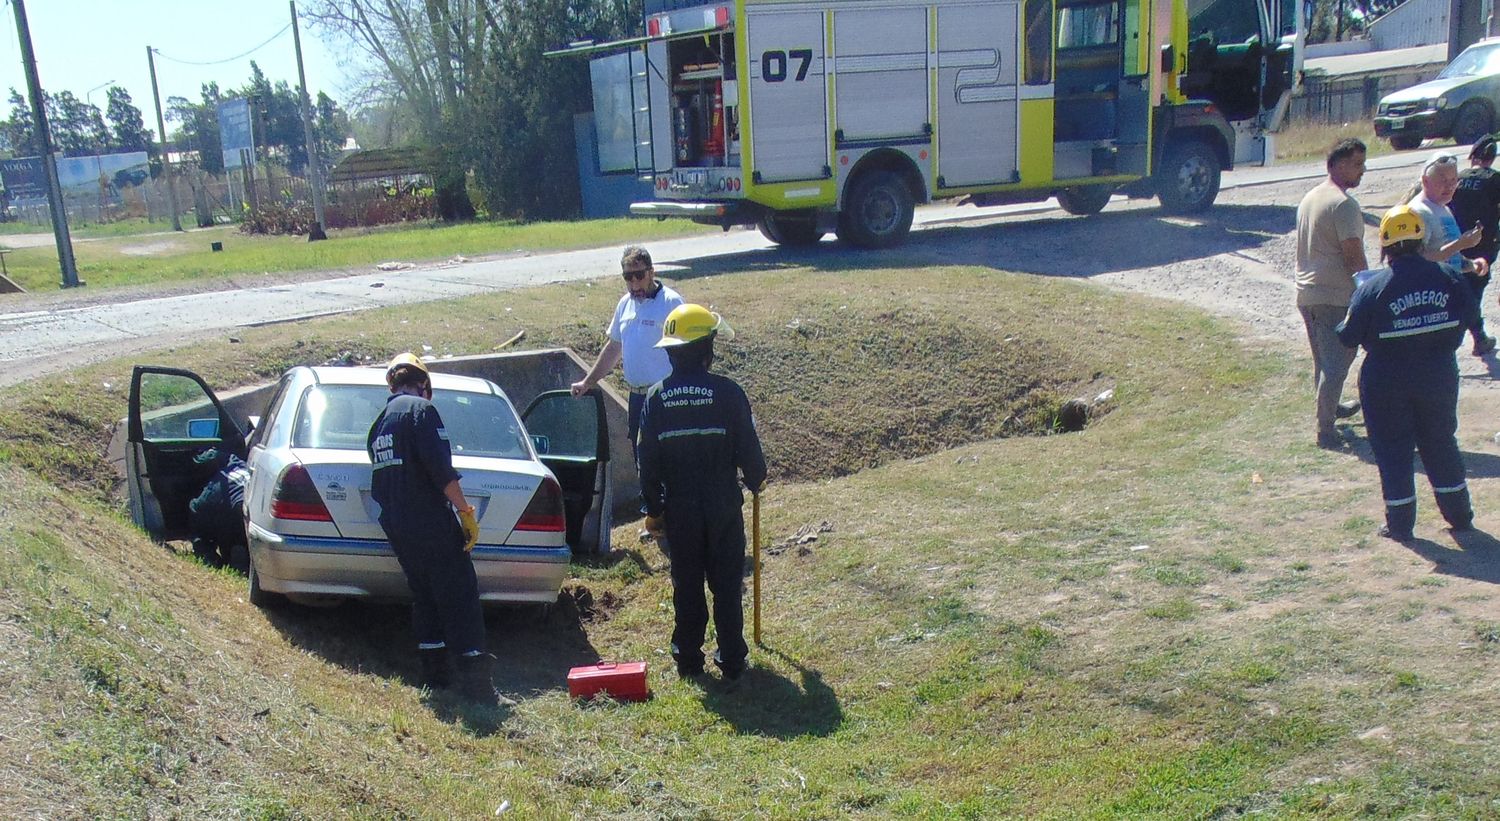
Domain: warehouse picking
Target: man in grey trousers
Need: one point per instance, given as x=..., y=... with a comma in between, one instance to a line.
x=1330, y=251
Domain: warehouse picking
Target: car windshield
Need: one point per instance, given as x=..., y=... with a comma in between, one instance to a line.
x=1474, y=61
x=339, y=417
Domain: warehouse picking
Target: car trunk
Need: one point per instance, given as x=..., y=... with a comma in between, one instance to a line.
x=499, y=490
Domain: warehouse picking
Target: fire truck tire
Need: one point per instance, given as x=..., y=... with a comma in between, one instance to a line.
x=1405, y=142
x=1188, y=180
x=790, y=231
x=1473, y=121
x=1085, y=199
x=877, y=211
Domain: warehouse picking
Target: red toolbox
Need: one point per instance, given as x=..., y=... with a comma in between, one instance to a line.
x=623, y=681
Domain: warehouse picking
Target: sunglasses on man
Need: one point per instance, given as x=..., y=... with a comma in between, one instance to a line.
x=635, y=274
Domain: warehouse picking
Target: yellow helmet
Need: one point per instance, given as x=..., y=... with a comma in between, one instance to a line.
x=404, y=360
x=690, y=323
x=1399, y=224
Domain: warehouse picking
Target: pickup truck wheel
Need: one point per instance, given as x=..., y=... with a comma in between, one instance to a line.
x=1405, y=142
x=877, y=211
x=1085, y=199
x=263, y=598
x=793, y=232
x=1188, y=180
x=1473, y=121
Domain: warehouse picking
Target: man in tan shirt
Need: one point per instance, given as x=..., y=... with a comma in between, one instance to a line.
x=1330, y=250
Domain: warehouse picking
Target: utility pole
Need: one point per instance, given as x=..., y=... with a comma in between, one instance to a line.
x=65, y=258
x=166, y=161
x=315, y=173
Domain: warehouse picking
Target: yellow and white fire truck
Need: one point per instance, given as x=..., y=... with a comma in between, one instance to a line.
x=811, y=116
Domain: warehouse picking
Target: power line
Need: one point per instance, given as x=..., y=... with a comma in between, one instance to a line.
x=267, y=42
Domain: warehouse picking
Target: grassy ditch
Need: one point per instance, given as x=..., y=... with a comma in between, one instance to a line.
x=1177, y=613
x=108, y=260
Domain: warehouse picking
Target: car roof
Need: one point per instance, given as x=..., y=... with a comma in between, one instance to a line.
x=375, y=375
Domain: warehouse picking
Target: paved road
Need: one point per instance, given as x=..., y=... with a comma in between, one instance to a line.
x=37, y=342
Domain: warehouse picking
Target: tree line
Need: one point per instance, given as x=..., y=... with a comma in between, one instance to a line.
x=80, y=129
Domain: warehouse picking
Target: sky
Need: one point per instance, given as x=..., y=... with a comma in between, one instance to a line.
x=81, y=44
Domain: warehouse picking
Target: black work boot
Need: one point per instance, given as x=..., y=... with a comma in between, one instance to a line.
x=437, y=671
x=476, y=683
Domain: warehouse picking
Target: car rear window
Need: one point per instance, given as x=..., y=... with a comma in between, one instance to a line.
x=338, y=417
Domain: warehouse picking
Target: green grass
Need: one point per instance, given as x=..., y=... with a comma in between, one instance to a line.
x=116, y=260
x=975, y=638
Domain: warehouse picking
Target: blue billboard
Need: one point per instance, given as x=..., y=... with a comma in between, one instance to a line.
x=235, y=131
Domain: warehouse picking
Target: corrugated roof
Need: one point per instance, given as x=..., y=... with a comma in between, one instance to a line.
x=379, y=163
x=1379, y=60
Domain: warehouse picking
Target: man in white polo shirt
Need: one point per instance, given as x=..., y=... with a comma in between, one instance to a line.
x=633, y=334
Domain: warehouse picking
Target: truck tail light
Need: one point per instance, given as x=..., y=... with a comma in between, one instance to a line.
x=545, y=511
x=296, y=497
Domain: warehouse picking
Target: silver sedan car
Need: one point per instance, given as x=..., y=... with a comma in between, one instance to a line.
x=311, y=526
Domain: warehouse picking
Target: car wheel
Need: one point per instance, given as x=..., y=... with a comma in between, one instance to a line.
x=793, y=232
x=877, y=212
x=1405, y=142
x=1085, y=199
x=1188, y=180
x=263, y=598
x=1473, y=121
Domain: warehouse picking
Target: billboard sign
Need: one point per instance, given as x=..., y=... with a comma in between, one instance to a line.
x=235, y=132
x=25, y=180
x=101, y=173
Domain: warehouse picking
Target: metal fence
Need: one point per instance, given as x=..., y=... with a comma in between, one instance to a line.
x=1349, y=99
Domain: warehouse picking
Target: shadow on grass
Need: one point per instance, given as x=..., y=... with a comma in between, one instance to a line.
x=1035, y=244
x=1477, y=557
x=764, y=702
x=534, y=649
x=1477, y=464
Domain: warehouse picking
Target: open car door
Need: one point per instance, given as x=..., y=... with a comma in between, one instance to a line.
x=173, y=418
x=572, y=438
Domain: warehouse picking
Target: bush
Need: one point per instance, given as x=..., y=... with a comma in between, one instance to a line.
x=278, y=218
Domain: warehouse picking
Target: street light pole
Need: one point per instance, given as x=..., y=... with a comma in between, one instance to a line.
x=166, y=160
x=60, y=233
x=98, y=163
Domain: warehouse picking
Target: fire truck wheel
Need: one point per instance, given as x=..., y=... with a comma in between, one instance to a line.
x=790, y=231
x=1188, y=180
x=1405, y=142
x=1085, y=199
x=877, y=211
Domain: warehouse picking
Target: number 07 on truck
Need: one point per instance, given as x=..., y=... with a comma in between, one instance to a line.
x=806, y=117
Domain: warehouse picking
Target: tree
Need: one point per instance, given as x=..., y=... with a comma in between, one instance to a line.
x=469, y=79
x=19, y=130
x=126, y=125
x=198, y=126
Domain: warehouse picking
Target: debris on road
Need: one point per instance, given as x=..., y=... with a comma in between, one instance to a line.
x=394, y=266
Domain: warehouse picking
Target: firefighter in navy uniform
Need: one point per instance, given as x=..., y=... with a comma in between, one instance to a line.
x=1410, y=317
x=697, y=439
x=413, y=480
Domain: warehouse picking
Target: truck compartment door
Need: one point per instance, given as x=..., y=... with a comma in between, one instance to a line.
x=788, y=95
x=658, y=113
x=978, y=59
x=880, y=71
x=622, y=114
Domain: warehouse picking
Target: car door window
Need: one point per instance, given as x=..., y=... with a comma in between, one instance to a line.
x=176, y=408
x=561, y=425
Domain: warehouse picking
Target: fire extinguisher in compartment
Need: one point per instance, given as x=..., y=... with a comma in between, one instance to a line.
x=682, y=130
x=713, y=143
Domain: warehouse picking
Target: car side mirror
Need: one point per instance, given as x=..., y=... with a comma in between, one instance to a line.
x=541, y=443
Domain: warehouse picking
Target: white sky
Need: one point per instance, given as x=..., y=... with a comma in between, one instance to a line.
x=80, y=44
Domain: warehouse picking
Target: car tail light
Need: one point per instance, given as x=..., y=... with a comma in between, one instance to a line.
x=545, y=511
x=296, y=497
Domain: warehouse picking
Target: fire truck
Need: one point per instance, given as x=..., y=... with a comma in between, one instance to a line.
x=806, y=117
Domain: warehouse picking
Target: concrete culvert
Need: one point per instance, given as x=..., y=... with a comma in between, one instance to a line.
x=1073, y=415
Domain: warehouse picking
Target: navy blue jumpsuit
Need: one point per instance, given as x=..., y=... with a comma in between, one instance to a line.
x=696, y=437
x=411, y=464
x=1409, y=318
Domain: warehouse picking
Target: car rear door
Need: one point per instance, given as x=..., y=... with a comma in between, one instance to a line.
x=571, y=437
x=173, y=417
